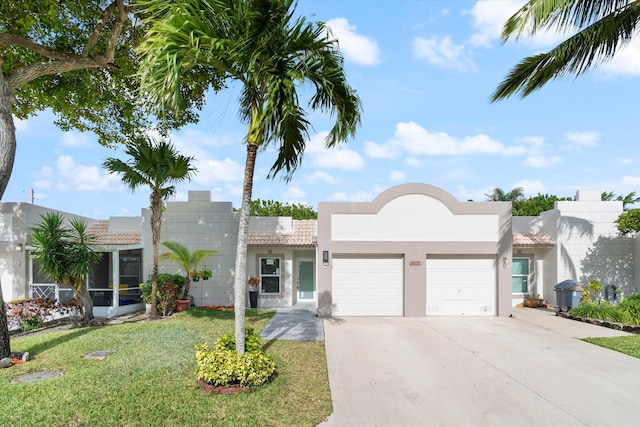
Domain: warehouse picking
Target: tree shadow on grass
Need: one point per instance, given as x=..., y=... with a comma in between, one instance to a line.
x=54, y=341
x=251, y=316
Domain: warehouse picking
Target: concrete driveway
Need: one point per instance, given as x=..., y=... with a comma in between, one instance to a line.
x=470, y=371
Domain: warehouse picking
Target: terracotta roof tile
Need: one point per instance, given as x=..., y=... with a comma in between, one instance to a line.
x=304, y=234
x=532, y=240
x=104, y=237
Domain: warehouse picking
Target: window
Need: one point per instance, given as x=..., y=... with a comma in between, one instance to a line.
x=270, y=275
x=520, y=276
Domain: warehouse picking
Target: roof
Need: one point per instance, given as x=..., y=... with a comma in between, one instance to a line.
x=303, y=234
x=529, y=240
x=105, y=237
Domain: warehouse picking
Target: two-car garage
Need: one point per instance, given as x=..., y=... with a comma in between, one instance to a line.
x=414, y=251
x=375, y=286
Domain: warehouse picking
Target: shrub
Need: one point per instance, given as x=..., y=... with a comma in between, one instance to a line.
x=630, y=307
x=174, y=279
x=599, y=311
x=225, y=366
x=29, y=314
x=251, y=341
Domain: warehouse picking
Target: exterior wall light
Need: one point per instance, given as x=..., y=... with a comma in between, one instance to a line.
x=505, y=262
x=19, y=247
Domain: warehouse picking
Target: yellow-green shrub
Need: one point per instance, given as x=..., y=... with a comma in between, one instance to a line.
x=225, y=366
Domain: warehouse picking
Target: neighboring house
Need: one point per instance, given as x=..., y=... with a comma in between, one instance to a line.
x=575, y=240
x=412, y=251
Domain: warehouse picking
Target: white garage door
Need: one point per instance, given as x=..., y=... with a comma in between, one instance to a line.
x=366, y=286
x=461, y=285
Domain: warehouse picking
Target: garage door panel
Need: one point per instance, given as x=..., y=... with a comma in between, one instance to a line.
x=461, y=285
x=364, y=286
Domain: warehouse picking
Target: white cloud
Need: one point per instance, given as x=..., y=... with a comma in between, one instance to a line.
x=73, y=177
x=530, y=187
x=417, y=141
x=355, y=47
x=20, y=124
x=442, y=52
x=581, y=139
x=413, y=162
x=537, y=161
x=536, y=153
x=321, y=176
x=294, y=193
x=397, y=176
x=488, y=19
x=75, y=140
x=380, y=151
x=626, y=60
x=358, y=196
x=344, y=159
x=212, y=171
x=631, y=180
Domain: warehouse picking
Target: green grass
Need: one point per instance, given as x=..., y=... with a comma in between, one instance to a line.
x=628, y=345
x=150, y=379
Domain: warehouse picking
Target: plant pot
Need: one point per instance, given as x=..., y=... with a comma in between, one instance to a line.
x=182, y=304
x=253, y=299
x=532, y=302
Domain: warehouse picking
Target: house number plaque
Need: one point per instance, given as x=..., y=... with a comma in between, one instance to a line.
x=415, y=263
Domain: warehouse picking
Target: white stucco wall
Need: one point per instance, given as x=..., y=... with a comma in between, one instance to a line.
x=414, y=217
x=199, y=223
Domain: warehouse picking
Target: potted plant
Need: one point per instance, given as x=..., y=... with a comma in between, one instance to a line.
x=189, y=261
x=254, y=283
x=205, y=273
x=533, y=301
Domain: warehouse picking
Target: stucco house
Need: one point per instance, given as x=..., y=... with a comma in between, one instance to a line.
x=414, y=250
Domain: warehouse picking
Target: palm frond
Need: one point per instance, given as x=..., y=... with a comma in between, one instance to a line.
x=586, y=49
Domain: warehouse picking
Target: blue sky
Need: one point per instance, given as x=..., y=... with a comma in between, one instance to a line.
x=425, y=71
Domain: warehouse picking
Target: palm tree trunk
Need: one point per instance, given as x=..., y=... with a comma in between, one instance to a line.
x=83, y=295
x=240, y=278
x=156, y=223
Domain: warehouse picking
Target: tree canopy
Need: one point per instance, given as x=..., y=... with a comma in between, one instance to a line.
x=534, y=206
x=275, y=208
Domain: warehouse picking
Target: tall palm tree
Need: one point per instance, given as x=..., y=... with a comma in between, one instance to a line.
x=157, y=165
x=64, y=253
x=603, y=27
x=499, y=195
x=188, y=260
x=276, y=58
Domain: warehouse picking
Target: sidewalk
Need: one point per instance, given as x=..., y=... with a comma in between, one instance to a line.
x=295, y=323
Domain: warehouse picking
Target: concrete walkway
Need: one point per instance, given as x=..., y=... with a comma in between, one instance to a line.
x=296, y=323
x=477, y=371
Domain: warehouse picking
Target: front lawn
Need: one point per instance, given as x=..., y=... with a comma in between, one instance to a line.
x=628, y=345
x=150, y=379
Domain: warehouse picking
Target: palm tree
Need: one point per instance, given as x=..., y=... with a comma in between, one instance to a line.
x=157, y=165
x=188, y=260
x=604, y=26
x=65, y=254
x=499, y=195
x=275, y=57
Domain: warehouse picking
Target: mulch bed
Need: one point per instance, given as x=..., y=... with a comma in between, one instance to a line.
x=16, y=361
x=221, y=389
x=219, y=307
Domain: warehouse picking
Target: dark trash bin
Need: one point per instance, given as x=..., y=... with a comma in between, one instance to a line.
x=568, y=294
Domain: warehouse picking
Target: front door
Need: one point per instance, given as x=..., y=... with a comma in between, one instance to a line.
x=306, y=282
